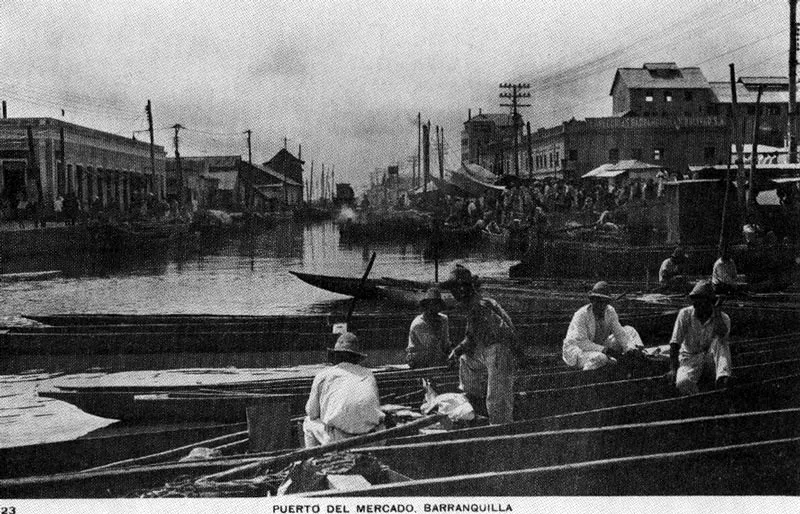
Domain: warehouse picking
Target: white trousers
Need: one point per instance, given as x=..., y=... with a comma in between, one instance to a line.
x=595, y=360
x=317, y=433
x=489, y=373
x=692, y=366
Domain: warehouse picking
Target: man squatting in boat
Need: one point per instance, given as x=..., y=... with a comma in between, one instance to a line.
x=429, y=334
x=699, y=344
x=595, y=336
x=344, y=399
x=671, y=274
x=486, y=359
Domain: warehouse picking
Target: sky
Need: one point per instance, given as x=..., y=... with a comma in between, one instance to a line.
x=346, y=79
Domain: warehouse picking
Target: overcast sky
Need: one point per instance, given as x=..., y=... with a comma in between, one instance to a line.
x=346, y=78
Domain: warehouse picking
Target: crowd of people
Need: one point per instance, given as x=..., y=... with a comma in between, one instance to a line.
x=344, y=399
x=70, y=210
x=521, y=201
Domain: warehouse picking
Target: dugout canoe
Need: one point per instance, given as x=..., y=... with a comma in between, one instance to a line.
x=30, y=276
x=121, y=482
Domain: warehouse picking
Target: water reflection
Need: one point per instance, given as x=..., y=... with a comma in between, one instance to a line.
x=230, y=273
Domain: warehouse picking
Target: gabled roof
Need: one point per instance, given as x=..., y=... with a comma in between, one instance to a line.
x=501, y=120
x=779, y=83
x=660, y=76
x=722, y=94
x=284, y=154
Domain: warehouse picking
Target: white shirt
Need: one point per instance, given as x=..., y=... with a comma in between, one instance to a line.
x=724, y=272
x=345, y=396
x=428, y=342
x=694, y=336
x=668, y=270
x=585, y=330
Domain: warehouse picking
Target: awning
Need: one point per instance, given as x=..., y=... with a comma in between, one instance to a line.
x=786, y=180
x=615, y=169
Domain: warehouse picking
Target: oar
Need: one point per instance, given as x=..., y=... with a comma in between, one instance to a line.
x=360, y=288
x=305, y=453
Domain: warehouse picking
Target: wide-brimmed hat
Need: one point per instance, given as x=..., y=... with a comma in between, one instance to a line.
x=600, y=291
x=348, y=342
x=703, y=289
x=460, y=276
x=434, y=294
x=677, y=253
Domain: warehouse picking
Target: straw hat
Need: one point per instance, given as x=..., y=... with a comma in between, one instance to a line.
x=703, y=289
x=432, y=295
x=347, y=342
x=600, y=291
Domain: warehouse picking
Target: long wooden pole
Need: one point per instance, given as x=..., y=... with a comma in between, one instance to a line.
x=751, y=199
x=791, y=132
x=419, y=147
x=530, y=150
x=737, y=135
x=305, y=453
x=360, y=287
x=426, y=155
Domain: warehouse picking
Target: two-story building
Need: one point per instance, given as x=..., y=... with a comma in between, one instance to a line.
x=488, y=140
x=42, y=158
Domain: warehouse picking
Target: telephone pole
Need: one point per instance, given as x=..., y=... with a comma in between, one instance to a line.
x=149, y=110
x=791, y=131
x=178, y=168
x=426, y=155
x=419, y=146
x=515, y=94
x=249, y=148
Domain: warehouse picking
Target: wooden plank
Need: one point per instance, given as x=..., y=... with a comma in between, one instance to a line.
x=763, y=468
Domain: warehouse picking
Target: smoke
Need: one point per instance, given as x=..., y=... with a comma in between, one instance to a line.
x=346, y=214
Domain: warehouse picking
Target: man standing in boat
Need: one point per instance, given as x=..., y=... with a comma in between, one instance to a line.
x=429, y=335
x=595, y=334
x=344, y=399
x=699, y=345
x=486, y=360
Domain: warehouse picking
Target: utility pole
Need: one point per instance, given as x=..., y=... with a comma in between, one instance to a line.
x=249, y=148
x=149, y=110
x=530, y=151
x=333, y=181
x=285, y=141
x=515, y=95
x=441, y=153
x=311, y=184
x=426, y=155
x=419, y=147
x=751, y=197
x=737, y=137
x=178, y=168
x=791, y=130
x=322, y=184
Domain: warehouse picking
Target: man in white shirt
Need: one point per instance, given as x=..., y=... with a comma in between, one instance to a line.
x=724, y=274
x=429, y=335
x=699, y=344
x=595, y=331
x=344, y=399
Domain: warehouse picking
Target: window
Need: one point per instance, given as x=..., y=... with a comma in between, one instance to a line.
x=712, y=109
x=687, y=96
x=751, y=109
x=667, y=96
x=558, y=161
x=613, y=154
x=658, y=154
x=774, y=110
x=551, y=159
x=573, y=155
x=637, y=153
x=709, y=153
x=648, y=96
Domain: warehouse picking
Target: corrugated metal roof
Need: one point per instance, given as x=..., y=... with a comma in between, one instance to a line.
x=722, y=93
x=661, y=76
x=770, y=82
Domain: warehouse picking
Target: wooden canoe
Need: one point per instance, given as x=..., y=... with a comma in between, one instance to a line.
x=120, y=482
x=29, y=276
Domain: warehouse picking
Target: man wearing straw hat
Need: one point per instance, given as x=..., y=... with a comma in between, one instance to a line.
x=699, y=345
x=595, y=332
x=429, y=335
x=486, y=355
x=344, y=399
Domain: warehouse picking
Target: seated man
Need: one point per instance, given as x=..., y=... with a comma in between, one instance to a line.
x=344, y=399
x=671, y=274
x=595, y=331
x=429, y=335
x=724, y=275
x=699, y=344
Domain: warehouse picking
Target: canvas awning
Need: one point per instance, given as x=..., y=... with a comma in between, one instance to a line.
x=615, y=169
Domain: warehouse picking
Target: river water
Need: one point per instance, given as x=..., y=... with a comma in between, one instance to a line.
x=247, y=275
x=231, y=275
